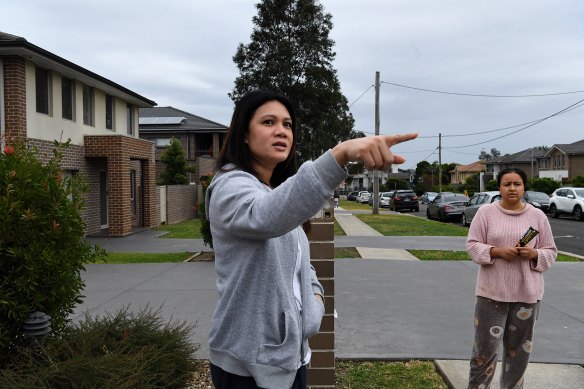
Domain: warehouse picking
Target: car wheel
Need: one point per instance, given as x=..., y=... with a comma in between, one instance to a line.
x=464, y=221
x=440, y=216
x=428, y=214
x=578, y=215
x=417, y=209
x=554, y=211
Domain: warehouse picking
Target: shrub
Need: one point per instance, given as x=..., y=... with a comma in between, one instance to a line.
x=176, y=167
x=119, y=351
x=42, y=250
x=578, y=181
x=545, y=184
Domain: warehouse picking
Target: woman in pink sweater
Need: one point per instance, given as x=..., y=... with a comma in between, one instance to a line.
x=510, y=281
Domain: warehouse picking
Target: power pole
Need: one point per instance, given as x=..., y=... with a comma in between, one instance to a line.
x=440, y=162
x=375, y=179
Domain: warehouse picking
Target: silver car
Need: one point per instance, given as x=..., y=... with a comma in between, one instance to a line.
x=475, y=202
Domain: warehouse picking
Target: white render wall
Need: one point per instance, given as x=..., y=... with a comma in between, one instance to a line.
x=49, y=127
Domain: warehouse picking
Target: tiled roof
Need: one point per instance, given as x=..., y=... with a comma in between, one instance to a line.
x=192, y=122
x=522, y=156
x=576, y=148
x=478, y=166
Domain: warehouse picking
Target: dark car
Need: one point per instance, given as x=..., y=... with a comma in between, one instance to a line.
x=538, y=200
x=478, y=200
x=404, y=199
x=446, y=206
x=352, y=196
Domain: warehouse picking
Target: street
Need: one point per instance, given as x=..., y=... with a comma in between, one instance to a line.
x=568, y=233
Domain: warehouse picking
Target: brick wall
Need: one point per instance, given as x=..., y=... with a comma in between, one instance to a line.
x=321, y=372
x=181, y=203
x=14, y=98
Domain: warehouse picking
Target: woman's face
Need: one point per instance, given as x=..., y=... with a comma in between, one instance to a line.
x=511, y=187
x=270, y=136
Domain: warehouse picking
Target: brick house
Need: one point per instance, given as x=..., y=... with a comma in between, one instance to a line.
x=44, y=97
x=563, y=162
x=201, y=138
x=462, y=172
x=527, y=160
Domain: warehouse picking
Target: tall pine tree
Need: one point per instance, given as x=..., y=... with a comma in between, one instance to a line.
x=291, y=52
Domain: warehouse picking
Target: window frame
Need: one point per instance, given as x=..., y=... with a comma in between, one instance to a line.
x=130, y=119
x=68, y=100
x=110, y=104
x=88, y=105
x=43, y=90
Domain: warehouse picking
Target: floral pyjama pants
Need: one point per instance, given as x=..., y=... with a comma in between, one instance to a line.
x=509, y=323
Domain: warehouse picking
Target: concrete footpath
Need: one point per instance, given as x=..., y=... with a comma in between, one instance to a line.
x=390, y=306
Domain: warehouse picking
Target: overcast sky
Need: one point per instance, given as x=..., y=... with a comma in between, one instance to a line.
x=179, y=53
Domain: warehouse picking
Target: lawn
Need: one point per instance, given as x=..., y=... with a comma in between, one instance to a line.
x=405, y=225
x=188, y=229
x=353, y=205
x=145, y=257
x=451, y=255
x=382, y=375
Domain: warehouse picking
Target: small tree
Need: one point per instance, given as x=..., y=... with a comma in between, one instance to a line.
x=42, y=250
x=175, y=172
x=578, y=181
x=545, y=184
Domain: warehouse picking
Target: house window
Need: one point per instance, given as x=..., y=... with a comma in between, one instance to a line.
x=162, y=142
x=42, y=78
x=67, y=97
x=109, y=112
x=133, y=202
x=130, y=116
x=87, y=105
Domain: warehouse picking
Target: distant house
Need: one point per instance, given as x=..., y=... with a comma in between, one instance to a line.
x=462, y=172
x=527, y=160
x=44, y=97
x=201, y=138
x=563, y=162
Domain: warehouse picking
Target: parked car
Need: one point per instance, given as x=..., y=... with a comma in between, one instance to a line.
x=446, y=206
x=478, y=200
x=384, y=199
x=363, y=197
x=538, y=200
x=404, y=199
x=427, y=197
x=567, y=201
x=352, y=196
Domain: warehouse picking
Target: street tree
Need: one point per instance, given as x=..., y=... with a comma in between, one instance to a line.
x=176, y=167
x=291, y=52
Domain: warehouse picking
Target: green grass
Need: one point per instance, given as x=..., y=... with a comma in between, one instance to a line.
x=382, y=375
x=405, y=225
x=353, y=205
x=338, y=229
x=188, y=229
x=346, y=252
x=145, y=257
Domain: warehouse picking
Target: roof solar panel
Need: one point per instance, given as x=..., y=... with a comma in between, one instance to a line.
x=162, y=120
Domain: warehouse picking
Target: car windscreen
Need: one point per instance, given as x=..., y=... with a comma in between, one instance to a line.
x=450, y=199
x=537, y=196
x=579, y=192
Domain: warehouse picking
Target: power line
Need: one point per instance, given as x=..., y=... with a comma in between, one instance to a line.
x=569, y=108
x=480, y=95
x=371, y=86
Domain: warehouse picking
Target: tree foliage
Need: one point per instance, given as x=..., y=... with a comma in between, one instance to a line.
x=42, y=250
x=494, y=154
x=578, y=181
x=545, y=184
x=291, y=52
x=176, y=169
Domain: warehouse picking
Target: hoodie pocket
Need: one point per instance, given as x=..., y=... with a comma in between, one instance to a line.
x=313, y=317
x=287, y=353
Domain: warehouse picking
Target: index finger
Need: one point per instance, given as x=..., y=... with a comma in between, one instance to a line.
x=392, y=140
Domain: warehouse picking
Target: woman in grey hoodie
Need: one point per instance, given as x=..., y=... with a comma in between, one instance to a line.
x=270, y=301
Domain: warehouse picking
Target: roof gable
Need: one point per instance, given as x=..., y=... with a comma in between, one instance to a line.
x=576, y=148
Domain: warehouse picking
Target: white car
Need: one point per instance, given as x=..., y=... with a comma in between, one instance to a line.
x=363, y=197
x=567, y=201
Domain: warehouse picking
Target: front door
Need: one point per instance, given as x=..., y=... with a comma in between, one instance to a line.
x=103, y=200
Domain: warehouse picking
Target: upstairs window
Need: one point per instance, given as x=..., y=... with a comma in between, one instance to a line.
x=130, y=116
x=67, y=97
x=109, y=112
x=43, y=89
x=87, y=105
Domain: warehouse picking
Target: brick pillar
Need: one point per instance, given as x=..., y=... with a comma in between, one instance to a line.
x=14, y=98
x=120, y=219
x=321, y=372
x=150, y=198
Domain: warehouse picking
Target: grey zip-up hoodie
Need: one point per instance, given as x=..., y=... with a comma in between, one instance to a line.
x=257, y=329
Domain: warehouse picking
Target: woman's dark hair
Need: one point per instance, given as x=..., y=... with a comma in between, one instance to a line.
x=236, y=151
x=515, y=170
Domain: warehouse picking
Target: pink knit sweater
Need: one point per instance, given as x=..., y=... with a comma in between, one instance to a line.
x=510, y=281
